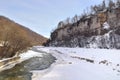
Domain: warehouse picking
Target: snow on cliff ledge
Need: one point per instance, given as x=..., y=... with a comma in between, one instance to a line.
x=106, y=25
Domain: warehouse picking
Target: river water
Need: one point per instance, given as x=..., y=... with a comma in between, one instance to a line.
x=22, y=70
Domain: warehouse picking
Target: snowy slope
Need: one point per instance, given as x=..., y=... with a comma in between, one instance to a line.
x=81, y=64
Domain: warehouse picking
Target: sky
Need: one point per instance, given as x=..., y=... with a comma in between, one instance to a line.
x=42, y=16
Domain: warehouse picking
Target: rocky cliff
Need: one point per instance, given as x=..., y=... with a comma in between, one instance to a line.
x=98, y=30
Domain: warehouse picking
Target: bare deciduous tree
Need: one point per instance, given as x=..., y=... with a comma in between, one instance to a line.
x=60, y=24
x=13, y=43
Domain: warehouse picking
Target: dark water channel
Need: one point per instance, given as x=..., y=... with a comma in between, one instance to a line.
x=22, y=70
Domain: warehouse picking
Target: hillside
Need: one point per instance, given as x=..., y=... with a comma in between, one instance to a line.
x=33, y=37
x=100, y=28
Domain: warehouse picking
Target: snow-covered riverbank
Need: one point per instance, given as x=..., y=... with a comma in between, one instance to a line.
x=21, y=68
x=11, y=62
x=81, y=64
x=71, y=64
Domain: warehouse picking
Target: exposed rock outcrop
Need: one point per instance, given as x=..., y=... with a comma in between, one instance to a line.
x=99, y=30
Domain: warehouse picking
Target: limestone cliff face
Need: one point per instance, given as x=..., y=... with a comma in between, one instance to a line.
x=97, y=30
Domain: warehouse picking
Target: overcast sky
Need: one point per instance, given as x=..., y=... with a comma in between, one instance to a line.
x=43, y=15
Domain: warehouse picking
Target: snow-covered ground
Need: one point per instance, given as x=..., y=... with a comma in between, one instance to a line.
x=29, y=54
x=81, y=64
x=76, y=63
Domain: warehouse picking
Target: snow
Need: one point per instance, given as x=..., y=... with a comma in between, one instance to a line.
x=24, y=56
x=109, y=40
x=76, y=63
x=106, y=25
x=29, y=54
x=80, y=71
x=69, y=66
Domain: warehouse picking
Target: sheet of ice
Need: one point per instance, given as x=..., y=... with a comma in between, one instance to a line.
x=79, y=71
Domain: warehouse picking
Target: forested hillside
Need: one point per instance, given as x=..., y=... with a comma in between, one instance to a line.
x=15, y=38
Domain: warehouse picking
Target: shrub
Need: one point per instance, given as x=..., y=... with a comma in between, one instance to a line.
x=13, y=43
